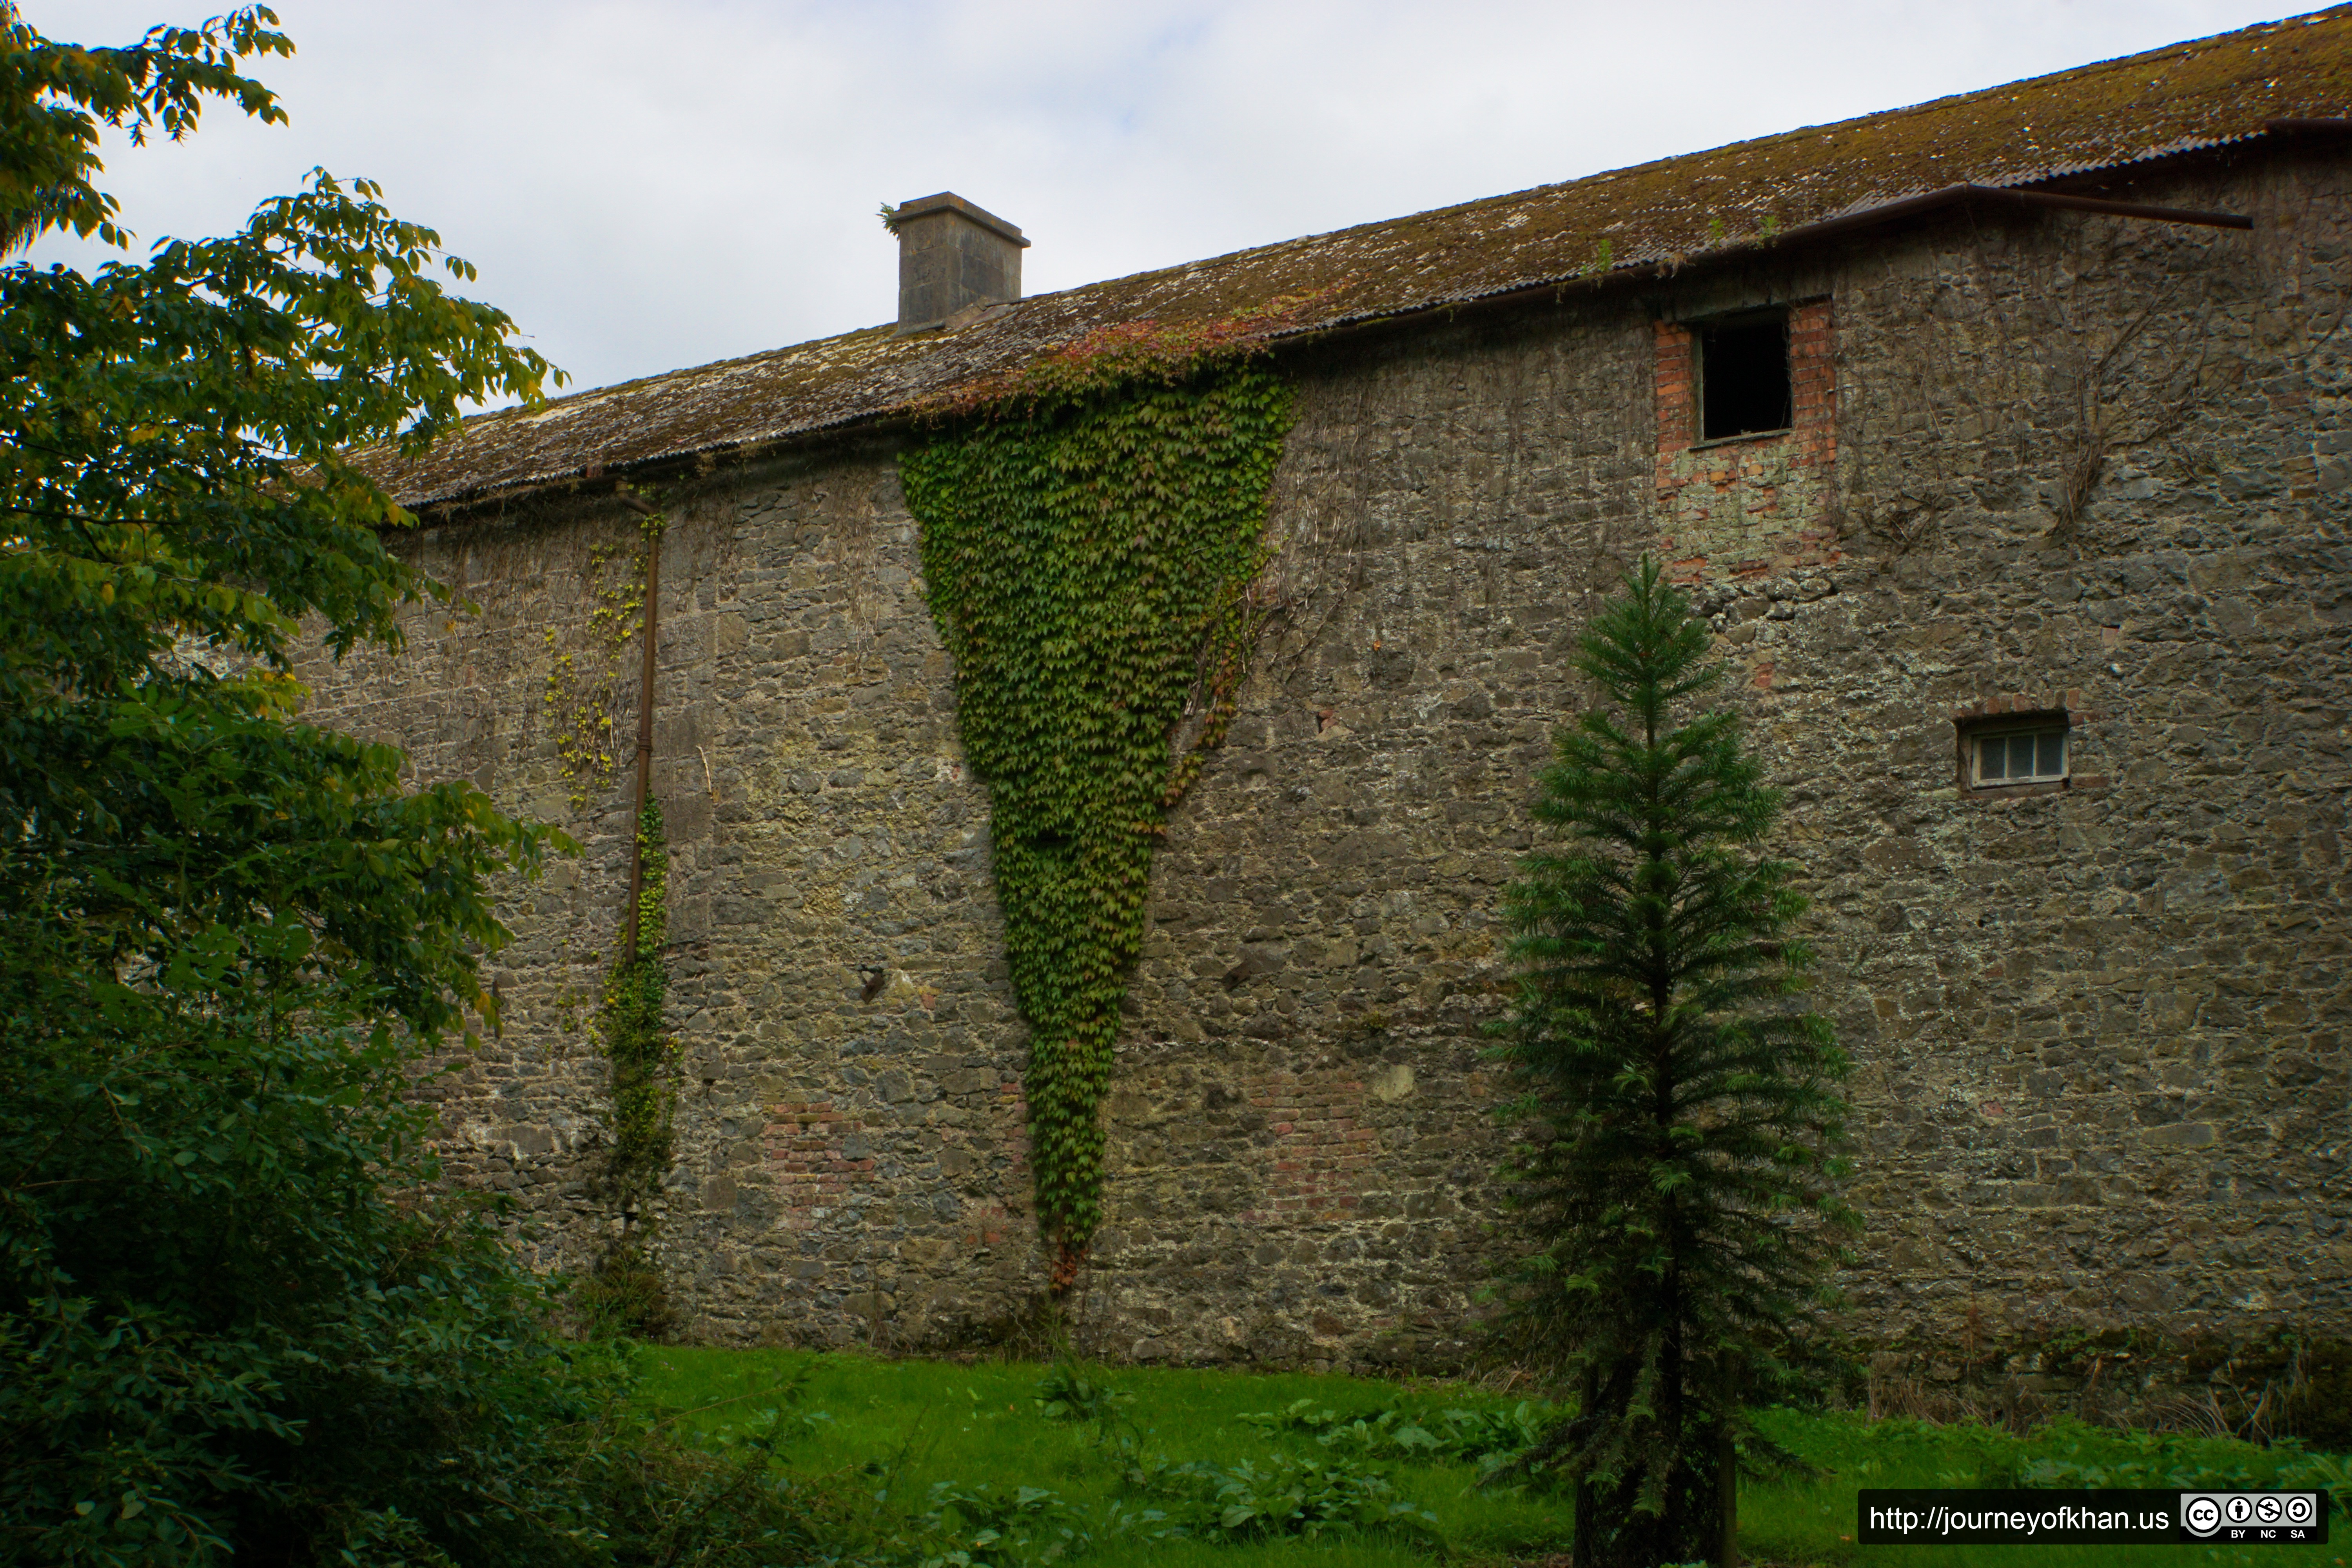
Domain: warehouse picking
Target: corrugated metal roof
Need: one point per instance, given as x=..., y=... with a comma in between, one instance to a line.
x=2183, y=98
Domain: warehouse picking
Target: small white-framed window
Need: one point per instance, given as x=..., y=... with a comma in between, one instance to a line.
x=2015, y=756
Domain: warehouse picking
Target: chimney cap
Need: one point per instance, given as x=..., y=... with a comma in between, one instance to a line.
x=948, y=202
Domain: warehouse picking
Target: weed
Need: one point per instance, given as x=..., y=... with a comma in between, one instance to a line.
x=1488, y=1437
x=1069, y=1393
x=1000, y=1527
x=1299, y=1415
x=1284, y=1496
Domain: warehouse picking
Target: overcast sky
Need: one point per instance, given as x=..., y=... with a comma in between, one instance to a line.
x=646, y=186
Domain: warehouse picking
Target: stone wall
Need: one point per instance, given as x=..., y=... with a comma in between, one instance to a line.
x=2077, y=462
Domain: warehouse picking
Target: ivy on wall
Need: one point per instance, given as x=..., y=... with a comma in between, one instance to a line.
x=1089, y=559
x=639, y=1051
x=579, y=698
x=624, y=1288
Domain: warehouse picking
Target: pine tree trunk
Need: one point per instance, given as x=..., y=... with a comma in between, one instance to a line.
x=1584, y=1548
x=1727, y=1474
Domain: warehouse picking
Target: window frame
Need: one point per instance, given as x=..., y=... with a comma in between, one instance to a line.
x=1973, y=733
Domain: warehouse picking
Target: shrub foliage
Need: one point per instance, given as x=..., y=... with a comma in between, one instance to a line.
x=233, y=1317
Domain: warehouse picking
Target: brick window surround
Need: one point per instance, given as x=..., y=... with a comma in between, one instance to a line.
x=2027, y=709
x=1748, y=506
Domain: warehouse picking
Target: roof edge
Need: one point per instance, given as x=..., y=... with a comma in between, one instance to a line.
x=2022, y=193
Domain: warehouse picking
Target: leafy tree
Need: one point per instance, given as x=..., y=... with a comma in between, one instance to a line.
x=232, y=1314
x=1682, y=1183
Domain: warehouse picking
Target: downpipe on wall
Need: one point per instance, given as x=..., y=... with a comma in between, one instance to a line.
x=645, y=712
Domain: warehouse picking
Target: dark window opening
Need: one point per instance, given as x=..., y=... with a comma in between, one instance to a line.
x=1744, y=377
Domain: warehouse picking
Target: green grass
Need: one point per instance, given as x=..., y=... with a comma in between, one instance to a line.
x=878, y=1437
x=1805, y=1520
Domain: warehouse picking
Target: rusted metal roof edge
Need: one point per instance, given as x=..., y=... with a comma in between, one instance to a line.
x=1878, y=213
x=883, y=420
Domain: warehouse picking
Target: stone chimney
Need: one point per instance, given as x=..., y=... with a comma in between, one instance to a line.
x=952, y=257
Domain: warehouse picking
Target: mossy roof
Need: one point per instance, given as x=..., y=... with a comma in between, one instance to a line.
x=2180, y=98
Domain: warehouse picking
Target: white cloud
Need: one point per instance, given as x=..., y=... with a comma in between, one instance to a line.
x=645, y=186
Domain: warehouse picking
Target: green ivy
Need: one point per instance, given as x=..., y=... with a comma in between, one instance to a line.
x=640, y=1052
x=624, y=1286
x=1089, y=563
x=579, y=699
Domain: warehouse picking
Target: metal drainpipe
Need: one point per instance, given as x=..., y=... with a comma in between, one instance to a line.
x=645, y=727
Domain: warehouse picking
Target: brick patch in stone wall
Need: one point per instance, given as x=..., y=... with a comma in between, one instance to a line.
x=1748, y=506
x=818, y=1155
x=1323, y=1151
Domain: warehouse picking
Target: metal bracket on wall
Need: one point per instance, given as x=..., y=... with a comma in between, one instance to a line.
x=2111, y=209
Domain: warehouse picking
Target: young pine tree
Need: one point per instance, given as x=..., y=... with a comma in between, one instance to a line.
x=1683, y=1193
